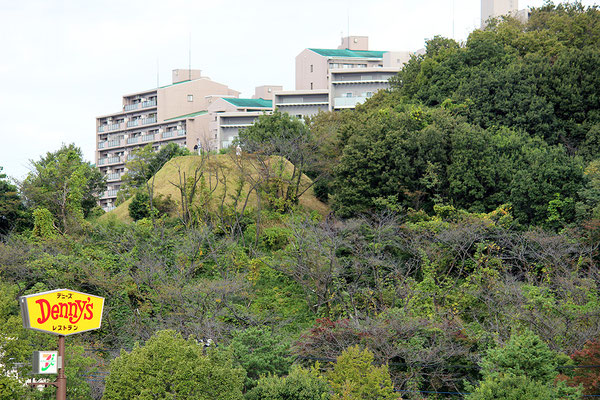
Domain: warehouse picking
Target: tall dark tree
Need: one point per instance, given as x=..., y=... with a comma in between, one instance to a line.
x=12, y=210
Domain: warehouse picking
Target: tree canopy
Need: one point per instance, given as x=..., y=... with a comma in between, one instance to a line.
x=65, y=184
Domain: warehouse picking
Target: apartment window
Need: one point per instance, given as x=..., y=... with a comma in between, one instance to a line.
x=190, y=97
x=349, y=94
x=311, y=68
x=369, y=94
x=311, y=86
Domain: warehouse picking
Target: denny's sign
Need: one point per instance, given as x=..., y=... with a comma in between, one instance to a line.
x=62, y=312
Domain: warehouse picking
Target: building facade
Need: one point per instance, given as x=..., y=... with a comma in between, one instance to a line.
x=175, y=113
x=229, y=115
x=335, y=79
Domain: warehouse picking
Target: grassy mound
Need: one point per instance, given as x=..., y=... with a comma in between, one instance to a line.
x=226, y=180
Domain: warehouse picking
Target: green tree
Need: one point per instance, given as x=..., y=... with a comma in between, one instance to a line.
x=354, y=377
x=147, y=162
x=524, y=367
x=170, y=367
x=139, y=207
x=300, y=384
x=12, y=210
x=288, y=137
x=64, y=184
x=142, y=168
x=512, y=387
x=260, y=352
x=43, y=223
x=538, y=77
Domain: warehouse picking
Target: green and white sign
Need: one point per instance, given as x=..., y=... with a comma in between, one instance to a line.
x=45, y=362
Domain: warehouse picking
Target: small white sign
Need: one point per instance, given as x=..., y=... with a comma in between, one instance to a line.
x=45, y=362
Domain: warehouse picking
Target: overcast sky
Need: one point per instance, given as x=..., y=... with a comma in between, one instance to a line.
x=65, y=62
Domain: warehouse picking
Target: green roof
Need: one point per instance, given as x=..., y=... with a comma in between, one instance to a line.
x=188, y=115
x=348, y=53
x=249, y=103
x=173, y=84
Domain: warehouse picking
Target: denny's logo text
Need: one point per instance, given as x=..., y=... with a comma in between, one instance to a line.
x=62, y=311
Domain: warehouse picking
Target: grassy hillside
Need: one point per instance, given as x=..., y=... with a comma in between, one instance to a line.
x=222, y=179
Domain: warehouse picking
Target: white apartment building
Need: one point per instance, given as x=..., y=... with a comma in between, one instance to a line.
x=335, y=79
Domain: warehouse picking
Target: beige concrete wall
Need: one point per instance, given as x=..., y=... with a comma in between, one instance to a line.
x=198, y=132
x=497, y=8
x=182, y=74
x=220, y=105
x=173, y=100
x=311, y=68
x=355, y=43
x=395, y=59
x=266, y=91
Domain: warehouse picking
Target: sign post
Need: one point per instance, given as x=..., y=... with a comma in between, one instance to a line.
x=61, y=312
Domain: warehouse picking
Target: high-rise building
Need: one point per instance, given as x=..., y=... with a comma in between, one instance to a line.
x=176, y=113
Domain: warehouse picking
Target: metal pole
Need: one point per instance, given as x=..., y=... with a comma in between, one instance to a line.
x=61, y=381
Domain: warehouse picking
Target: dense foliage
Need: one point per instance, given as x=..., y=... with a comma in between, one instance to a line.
x=460, y=257
x=66, y=185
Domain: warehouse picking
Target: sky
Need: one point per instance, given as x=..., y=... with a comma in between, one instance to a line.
x=65, y=62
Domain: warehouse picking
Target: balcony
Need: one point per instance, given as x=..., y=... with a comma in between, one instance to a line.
x=132, y=123
x=133, y=140
x=112, y=127
x=113, y=160
x=348, y=102
x=115, y=176
x=181, y=132
x=168, y=134
x=101, y=161
x=146, y=121
x=111, y=193
x=130, y=107
x=101, y=145
x=113, y=143
x=101, y=128
x=151, y=103
x=147, y=138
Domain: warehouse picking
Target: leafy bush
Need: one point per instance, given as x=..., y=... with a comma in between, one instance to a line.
x=170, y=367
